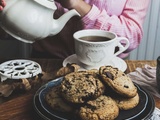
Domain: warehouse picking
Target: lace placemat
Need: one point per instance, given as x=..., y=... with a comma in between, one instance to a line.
x=155, y=115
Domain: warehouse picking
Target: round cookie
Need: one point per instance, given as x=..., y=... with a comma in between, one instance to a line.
x=118, y=81
x=55, y=101
x=127, y=103
x=79, y=87
x=103, y=108
x=70, y=67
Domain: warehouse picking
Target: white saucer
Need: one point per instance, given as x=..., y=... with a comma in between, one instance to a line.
x=116, y=62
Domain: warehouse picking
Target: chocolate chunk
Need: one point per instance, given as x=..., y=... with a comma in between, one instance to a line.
x=126, y=86
x=109, y=75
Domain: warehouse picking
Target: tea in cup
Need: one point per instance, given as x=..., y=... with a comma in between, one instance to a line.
x=95, y=48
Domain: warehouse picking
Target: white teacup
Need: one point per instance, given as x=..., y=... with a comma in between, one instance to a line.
x=95, y=48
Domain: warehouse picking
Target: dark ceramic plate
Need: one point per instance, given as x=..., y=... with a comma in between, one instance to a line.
x=142, y=111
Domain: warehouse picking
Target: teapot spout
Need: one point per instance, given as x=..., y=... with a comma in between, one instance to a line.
x=61, y=22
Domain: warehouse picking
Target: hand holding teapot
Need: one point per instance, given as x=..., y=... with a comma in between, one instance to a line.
x=79, y=5
x=34, y=23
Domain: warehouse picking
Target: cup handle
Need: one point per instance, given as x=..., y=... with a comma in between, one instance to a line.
x=122, y=48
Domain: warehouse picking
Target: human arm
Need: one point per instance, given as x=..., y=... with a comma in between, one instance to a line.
x=128, y=23
x=2, y=4
x=79, y=5
x=124, y=17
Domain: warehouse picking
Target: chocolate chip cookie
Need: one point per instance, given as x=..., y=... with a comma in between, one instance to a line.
x=118, y=81
x=70, y=67
x=127, y=103
x=79, y=87
x=55, y=101
x=102, y=108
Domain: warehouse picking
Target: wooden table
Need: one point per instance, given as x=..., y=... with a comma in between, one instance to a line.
x=20, y=107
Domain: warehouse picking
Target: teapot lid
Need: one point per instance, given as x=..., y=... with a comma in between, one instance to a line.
x=47, y=3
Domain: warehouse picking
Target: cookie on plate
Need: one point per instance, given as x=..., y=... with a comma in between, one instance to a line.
x=70, y=67
x=127, y=103
x=55, y=101
x=102, y=108
x=79, y=87
x=118, y=81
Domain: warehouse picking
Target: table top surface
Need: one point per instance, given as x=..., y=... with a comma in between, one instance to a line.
x=18, y=107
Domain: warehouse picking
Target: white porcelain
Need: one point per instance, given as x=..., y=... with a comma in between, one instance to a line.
x=18, y=69
x=32, y=20
x=115, y=62
x=95, y=54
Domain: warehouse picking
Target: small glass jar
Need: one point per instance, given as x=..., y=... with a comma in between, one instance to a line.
x=158, y=73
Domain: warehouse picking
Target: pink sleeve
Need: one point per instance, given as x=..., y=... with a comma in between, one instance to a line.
x=127, y=24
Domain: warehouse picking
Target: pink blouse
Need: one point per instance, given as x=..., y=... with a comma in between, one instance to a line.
x=124, y=17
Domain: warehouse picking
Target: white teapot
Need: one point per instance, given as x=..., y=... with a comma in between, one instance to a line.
x=31, y=20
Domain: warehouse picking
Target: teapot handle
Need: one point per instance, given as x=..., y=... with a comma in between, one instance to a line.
x=47, y=3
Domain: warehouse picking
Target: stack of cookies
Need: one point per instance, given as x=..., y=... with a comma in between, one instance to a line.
x=120, y=87
x=94, y=94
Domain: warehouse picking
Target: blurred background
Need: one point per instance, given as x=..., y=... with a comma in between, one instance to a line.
x=149, y=48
